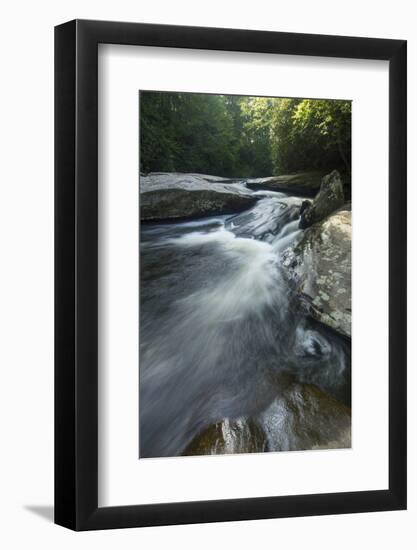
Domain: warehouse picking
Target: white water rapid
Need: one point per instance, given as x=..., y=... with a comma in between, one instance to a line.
x=219, y=326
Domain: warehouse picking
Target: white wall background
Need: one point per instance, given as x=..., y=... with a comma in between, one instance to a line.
x=26, y=289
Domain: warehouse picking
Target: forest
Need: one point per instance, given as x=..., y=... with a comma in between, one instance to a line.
x=243, y=136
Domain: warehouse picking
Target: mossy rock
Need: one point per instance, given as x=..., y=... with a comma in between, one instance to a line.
x=320, y=270
x=329, y=199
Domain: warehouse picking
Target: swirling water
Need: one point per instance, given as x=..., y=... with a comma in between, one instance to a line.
x=219, y=324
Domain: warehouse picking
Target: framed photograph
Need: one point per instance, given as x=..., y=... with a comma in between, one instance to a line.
x=230, y=255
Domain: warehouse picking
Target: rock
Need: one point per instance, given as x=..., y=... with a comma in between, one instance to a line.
x=304, y=418
x=170, y=176
x=214, y=179
x=228, y=437
x=320, y=269
x=310, y=343
x=266, y=219
x=302, y=183
x=304, y=206
x=329, y=199
x=321, y=357
x=165, y=196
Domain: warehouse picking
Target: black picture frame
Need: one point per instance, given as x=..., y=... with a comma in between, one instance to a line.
x=76, y=272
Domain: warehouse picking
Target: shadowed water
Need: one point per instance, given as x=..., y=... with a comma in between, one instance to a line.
x=220, y=331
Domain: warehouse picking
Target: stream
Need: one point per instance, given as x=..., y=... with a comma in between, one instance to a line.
x=220, y=331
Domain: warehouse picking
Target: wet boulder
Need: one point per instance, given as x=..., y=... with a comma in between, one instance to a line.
x=301, y=183
x=228, y=437
x=166, y=196
x=305, y=418
x=319, y=267
x=305, y=205
x=301, y=417
x=266, y=219
x=329, y=199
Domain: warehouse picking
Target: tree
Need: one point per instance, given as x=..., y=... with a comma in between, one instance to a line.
x=242, y=136
x=311, y=134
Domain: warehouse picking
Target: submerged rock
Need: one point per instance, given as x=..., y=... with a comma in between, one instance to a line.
x=165, y=196
x=329, y=199
x=310, y=343
x=228, y=437
x=266, y=219
x=319, y=357
x=304, y=418
x=301, y=183
x=320, y=268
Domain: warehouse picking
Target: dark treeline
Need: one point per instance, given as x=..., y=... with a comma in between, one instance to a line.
x=241, y=136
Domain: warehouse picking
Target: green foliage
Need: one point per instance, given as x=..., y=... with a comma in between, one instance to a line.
x=310, y=134
x=186, y=133
x=243, y=136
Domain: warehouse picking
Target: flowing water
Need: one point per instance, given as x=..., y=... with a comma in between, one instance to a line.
x=219, y=326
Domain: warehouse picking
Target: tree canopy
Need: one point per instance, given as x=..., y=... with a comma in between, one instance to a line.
x=242, y=136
